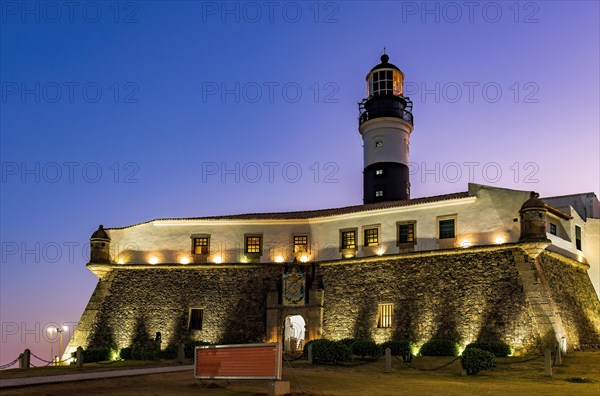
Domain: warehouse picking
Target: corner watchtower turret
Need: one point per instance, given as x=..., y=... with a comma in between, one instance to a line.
x=100, y=246
x=533, y=219
x=385, y=123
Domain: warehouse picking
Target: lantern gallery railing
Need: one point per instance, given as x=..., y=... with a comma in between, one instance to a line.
x=384, y=109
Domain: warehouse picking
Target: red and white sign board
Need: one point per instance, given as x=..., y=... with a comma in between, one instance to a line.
x=243, y=361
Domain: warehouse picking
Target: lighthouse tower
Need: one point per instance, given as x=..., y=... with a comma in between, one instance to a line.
x=385, y=123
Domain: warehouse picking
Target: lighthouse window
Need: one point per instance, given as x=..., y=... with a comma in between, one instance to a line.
x=578, y=237
x=385, y=82
x=379, y=193
x=378, y=143
x=552, y=229
x=371, y=237
x=379, y=172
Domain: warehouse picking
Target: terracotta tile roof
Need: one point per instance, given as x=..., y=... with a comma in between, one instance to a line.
x=308, y=214
x=558, y=212
x=570, y=195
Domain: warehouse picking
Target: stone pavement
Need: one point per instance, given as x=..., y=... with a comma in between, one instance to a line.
x=51, y=379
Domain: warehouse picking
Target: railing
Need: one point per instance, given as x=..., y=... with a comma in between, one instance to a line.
x=404, y=114
x=399, y=108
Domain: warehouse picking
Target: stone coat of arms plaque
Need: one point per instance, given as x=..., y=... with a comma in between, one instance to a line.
x=294, y=287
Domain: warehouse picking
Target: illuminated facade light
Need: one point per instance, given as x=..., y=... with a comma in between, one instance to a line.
x=153, y=260
x=218, y=260
x=185, y=260
x=279, y=259
x=120, y=261
x=380, y=252
x=466, y=244
x=304, y=259
x=500, y=240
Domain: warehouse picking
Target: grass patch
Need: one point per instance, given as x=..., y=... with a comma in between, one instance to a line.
x=367, y=379
x=87, y=368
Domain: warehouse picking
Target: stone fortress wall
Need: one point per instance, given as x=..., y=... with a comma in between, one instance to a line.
x=493, y=292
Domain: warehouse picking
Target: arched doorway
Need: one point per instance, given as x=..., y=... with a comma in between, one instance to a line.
x=294, y=333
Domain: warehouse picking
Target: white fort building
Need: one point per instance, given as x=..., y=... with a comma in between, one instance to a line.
x=400, y=252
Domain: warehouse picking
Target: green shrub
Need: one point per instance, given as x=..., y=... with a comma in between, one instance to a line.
x=305, y=349
x=314, y=344
x=189, y=346
x=170, y=352
x=474, y=360
x=398, y=348
x=497, y=348
x=126, y=353
x=326, y=351
x=440, y=347
x=347, y=341
x=136, y=351
x=147, y=353
x=96, y=354
x=364, y=348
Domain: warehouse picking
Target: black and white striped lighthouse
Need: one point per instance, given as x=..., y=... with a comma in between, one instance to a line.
x=385, y=123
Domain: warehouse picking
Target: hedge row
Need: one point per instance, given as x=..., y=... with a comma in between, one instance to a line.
x=327, y=351
x=440, y=347
x=92, y=355
x=398, y=348
x=498, y=348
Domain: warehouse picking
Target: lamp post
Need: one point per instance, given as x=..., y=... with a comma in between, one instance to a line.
x=50, y=331
x=60, y=330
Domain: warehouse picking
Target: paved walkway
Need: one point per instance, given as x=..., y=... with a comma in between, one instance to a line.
x=50, y=379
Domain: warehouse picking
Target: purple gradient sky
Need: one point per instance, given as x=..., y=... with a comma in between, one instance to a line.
x=172, y=52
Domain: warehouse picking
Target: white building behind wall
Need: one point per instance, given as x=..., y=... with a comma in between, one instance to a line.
x=483, y=215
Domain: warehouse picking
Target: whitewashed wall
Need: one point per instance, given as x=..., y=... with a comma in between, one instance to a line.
x=485, y=217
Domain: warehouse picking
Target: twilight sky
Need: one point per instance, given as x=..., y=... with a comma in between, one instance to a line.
x=116, y=113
